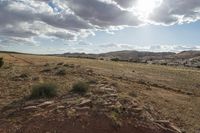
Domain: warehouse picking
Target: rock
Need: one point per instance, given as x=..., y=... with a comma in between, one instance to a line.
x=105, y=89
x=107, y=103
x=169, y=125
x=60, y=107
x=189, y=93
x=30, y=103
x=82, y=108
x=47, y=64
x=163, y=121
x=46, y=70
x=85, y=102
x=60, y=63
x=23, y=75
x=45, y=104
x=118, y=105
x=20, y=77
x=175, y=128
x=137, y=110
x=30, y=108
x=35, y=78
x=110, y=95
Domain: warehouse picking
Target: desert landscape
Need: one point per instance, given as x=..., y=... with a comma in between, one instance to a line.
x=118, y=97
x=99, y=66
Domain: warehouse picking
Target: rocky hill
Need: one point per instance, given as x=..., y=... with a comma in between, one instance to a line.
x=185, y=58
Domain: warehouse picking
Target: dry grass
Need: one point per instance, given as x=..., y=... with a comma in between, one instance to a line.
x=164, y=88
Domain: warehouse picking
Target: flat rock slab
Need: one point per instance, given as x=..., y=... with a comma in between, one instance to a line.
x=45, y=104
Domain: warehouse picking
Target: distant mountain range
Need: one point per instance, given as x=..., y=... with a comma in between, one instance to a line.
x=184, y=58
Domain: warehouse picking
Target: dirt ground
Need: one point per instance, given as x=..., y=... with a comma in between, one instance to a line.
x=148, y=98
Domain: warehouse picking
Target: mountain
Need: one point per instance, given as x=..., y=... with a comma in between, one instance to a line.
x=135, y=55
x=187, y=54
x=124, y=55
x=184, y=58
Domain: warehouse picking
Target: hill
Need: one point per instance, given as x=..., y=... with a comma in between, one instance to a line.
x=185, y=58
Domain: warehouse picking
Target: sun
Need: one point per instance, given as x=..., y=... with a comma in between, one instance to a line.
x=145, y=7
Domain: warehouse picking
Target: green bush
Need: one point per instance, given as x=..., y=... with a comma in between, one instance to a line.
x=43, y=90
x=1, y=62
x=80, y=87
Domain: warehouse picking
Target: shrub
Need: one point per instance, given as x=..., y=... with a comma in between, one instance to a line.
x=47, y=64
x=115, y=59
x=1, y=62
x=80, y=87
x=61, y=72
x=66, y=65
x=43, y=90
x=133, y=94
x=60, y=63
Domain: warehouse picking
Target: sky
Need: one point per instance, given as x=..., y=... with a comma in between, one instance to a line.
x=98, y=26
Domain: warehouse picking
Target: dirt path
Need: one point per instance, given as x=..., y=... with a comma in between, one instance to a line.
x=21, y=59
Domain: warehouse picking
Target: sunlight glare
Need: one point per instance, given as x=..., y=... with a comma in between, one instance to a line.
x=145, y=7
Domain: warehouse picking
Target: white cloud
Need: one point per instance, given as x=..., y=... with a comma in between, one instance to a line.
x=176, y=12
x=74, y=19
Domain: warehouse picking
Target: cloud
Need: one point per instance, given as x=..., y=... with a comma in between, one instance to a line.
x=103, y=14
x=26, y=19
x=176, y=12
x=126, y=3
x=75, y=19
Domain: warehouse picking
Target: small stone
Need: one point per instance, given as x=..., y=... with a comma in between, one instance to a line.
x=85, y=102
x=137, y=110
x=175, y=128
x=30, y=108
x=45, y=104
x=110, y=95
x=82, y=108
x=163, y=122
x=105, y=89
x=60, y=107
x=118, y=104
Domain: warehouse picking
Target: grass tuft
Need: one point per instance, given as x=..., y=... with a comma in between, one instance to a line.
x=61, y=72
x=1, y=61
x=43, y=90
x=80, y=87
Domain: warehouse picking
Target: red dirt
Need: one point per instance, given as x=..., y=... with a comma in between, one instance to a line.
x=84, y=124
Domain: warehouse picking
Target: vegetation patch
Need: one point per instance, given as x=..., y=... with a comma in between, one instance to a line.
x=43, y=90
x=61, y=72
x=80, y=87
x=115, y=59
x=1, y=62
x=114, y=116
x=133, y=94
x=92, y=81
x=46, y=70
x=60, y=63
